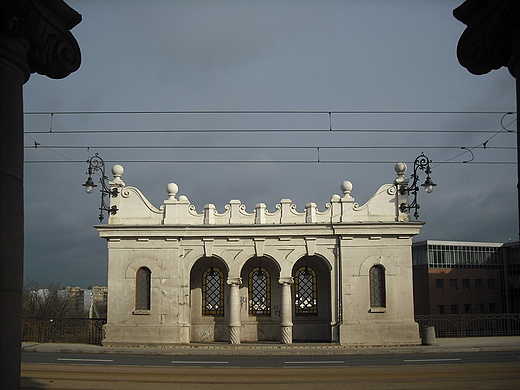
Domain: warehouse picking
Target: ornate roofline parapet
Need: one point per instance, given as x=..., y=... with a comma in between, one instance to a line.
x=134, y=209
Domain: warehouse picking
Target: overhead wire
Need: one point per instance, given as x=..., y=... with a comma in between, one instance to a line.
x=129, y=131
x=37, y=144
x=238, y=147
x=329, y=113
x=483, y=144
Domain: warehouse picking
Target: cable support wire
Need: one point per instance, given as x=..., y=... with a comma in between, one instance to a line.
x=173, y=131
x=37, y=144
x=324, y=112
x=257, y=162
x=483, y=144
x=247, y=147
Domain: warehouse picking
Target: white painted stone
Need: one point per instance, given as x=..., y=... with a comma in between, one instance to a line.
x=341, y=243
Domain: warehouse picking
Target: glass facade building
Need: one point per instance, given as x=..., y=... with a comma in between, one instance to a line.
x=453, y=277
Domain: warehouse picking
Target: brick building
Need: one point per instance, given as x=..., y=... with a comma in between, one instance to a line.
x=452, y=277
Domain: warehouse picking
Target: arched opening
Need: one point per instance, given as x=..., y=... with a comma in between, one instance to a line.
x=312, y=300
x=260, y=289
x=377, y=286
x=208, y=300
x=143, y=285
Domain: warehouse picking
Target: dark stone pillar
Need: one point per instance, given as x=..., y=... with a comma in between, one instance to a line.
x=491, y=41
x=34, y=37
x=11, y=214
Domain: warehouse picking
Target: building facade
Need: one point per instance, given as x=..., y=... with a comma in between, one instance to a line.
x=453, y=277
x=342, y=275
x=95, y=300
x=74, y=296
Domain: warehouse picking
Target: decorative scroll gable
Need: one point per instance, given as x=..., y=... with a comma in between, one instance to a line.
x=135, y=209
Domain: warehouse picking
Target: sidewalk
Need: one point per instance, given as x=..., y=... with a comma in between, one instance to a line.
x=443, y=345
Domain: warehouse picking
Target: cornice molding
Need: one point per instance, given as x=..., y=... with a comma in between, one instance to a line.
x=492, y=37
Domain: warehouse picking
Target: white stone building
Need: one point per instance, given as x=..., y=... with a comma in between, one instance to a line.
x=341, y=275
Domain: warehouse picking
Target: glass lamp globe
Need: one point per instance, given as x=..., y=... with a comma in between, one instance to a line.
x=428, y=185
x=89, y=186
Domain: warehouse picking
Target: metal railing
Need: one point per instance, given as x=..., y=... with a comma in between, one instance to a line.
x=91, y=331
x=63, y=330
x=472, y=325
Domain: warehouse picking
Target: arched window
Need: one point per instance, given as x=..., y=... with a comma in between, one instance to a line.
x=142, y=293
x=377, y=286
x=259, y=291
x=305, y=286
x=213, y=292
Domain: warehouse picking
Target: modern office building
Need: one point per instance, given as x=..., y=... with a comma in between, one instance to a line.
x=453, y=277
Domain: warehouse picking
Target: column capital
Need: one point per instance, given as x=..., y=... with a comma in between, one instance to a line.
x=234, y=281
x=35, y=37
x=286, y=281
x=492, y=37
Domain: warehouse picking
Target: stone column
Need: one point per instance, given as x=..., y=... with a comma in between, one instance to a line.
x=234, y=310
x=12, y=78
x=34, y=37
x=286, y=324
x=491, y=41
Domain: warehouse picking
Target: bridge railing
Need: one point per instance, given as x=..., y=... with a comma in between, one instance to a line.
x=472, y=325
x=63, y=330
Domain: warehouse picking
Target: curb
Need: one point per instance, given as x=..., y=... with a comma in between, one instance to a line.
x=245, y=350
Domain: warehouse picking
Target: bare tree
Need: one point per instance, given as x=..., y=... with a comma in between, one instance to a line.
x=45, y=300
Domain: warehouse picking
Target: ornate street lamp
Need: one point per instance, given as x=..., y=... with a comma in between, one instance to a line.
x=96, y=163
x=421, y=163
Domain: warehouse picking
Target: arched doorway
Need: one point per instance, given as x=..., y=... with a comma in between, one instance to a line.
x=260, y=292
x=312, y=300
x=208, y=300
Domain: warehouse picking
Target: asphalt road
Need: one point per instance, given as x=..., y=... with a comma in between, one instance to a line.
x=463, y=371
x=270, y=361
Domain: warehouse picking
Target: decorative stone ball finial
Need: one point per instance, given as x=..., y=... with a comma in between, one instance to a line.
x=346, y=187
x=172, y=190
x=117, y=171
x=400, y=169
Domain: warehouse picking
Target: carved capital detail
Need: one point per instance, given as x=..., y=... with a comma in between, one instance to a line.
x=286, y=281
x=234, y=281
x=492, y=38
x=44, y=25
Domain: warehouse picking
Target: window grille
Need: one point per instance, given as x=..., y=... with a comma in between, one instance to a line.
x=259, y=291
x=305, y=285
x=143, y=284
x=377, y=286
x=213, y=292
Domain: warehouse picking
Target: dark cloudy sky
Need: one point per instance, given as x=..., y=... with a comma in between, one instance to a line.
x=386, y=70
